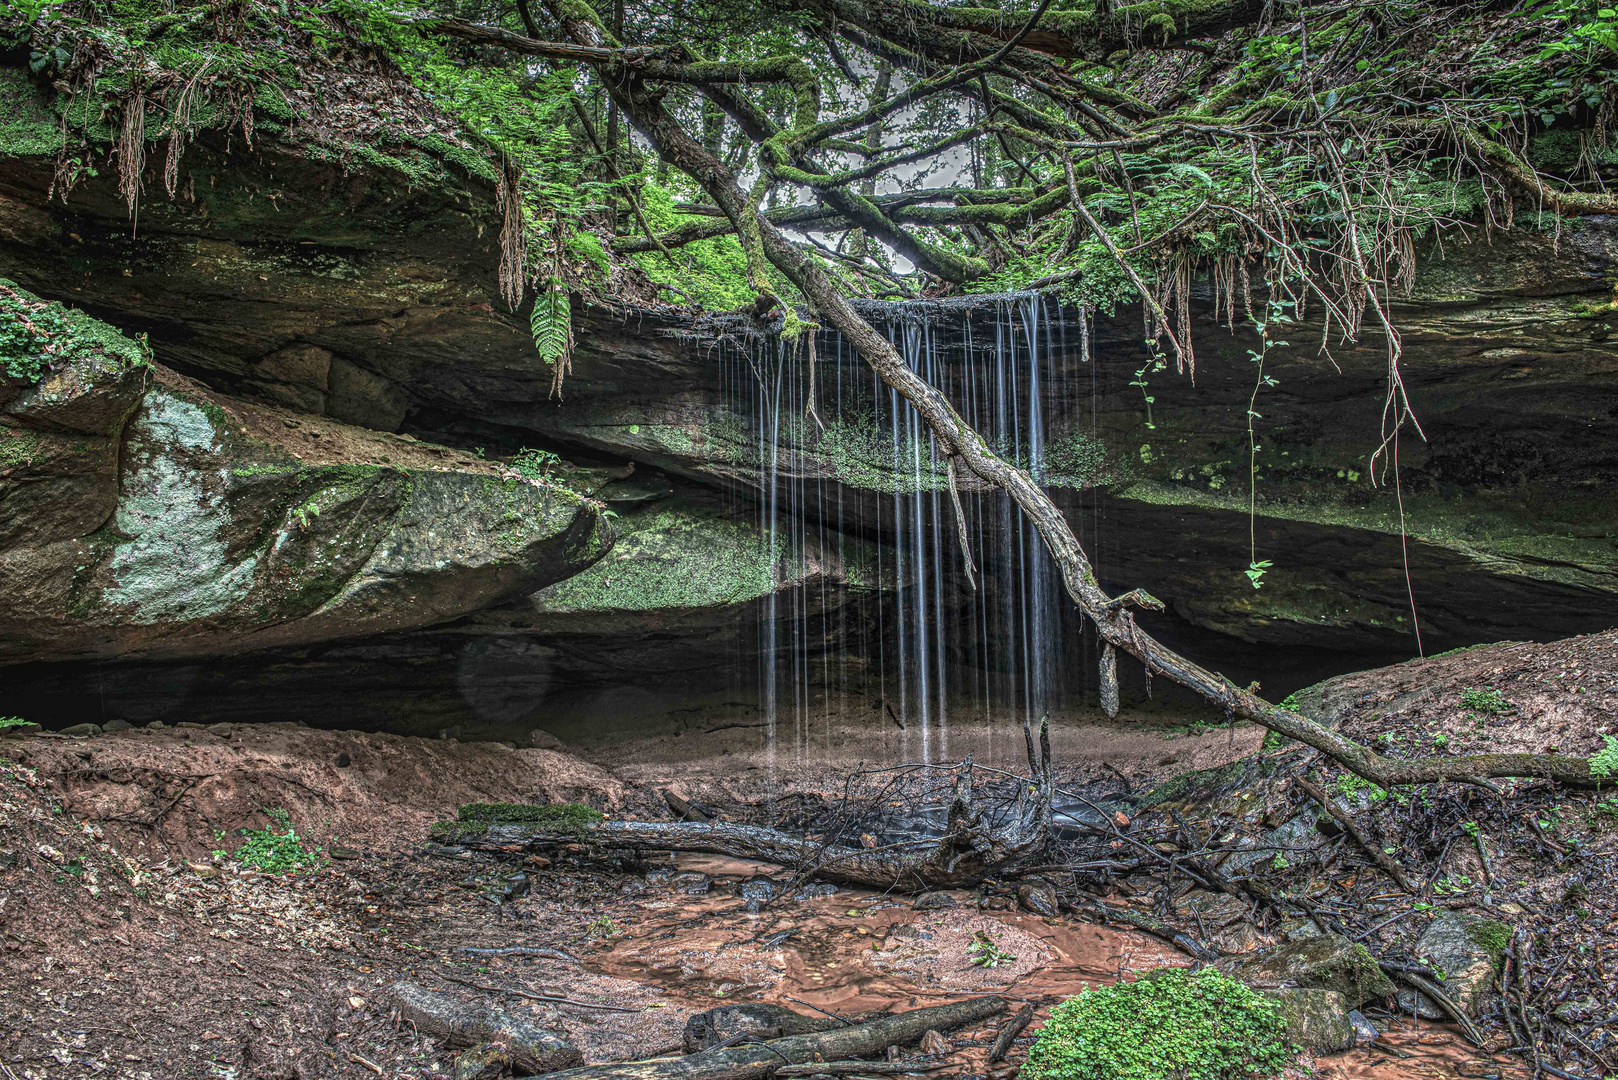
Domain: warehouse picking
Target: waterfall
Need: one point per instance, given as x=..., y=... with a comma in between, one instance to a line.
x=839, y=460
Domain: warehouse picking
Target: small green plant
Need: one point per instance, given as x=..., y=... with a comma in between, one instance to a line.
x=276, y=852
x=1451, y=886
x=1485, y=700
x=1441, y=740
x=985, y=953
x=1349, y=785
x=601, y=928
x=1470, y=828
x=534, y=464
x=306, y=512
x=12, y=721
x=1605, y=763
x=1142, y=378
x=1605, y=811
x=1170, y=1025
x=1280, y=862
x=1257, y=567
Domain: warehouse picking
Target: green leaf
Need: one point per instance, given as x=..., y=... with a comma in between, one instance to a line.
x=552, y=322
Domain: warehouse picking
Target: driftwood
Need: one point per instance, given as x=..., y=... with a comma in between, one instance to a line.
x=728, y=1025
x=531, y=1048
x=753, y=1061
x=970, y=851
x=1146, y=924
x=1009, y=1033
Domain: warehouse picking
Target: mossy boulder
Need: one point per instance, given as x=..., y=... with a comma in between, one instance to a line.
x=1316, y=1020
x=1468, y=951
x=1323, y=962
x=691, y=555
x=1168, y=1025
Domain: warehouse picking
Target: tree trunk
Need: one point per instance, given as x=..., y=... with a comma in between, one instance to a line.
x=970, y=851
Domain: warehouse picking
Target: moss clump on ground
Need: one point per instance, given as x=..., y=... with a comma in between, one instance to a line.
x=1493, y=937
x=1170, y=1024
x=454, y=832
x=567, y=815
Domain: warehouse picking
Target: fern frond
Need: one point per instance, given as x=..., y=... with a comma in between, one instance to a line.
x=552, y=323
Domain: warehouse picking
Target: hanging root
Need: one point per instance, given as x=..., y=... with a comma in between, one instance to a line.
x=513, y=236
x=132, y=149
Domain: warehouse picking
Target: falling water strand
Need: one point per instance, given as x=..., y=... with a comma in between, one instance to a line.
x=872, y=480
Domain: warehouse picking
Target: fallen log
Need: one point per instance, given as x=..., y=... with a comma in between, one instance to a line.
x=973, y=848
x=864, y=1068
x=531, y=1048
x=753, y=1061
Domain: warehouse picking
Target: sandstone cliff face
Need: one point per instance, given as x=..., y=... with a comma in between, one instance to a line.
x=143, y=515
x=365, y=295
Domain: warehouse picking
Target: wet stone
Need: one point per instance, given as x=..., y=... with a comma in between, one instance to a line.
x=1327, y=962
x=813, y=890
x=1317, y=1020
x=932, y=901
x=222, y=731
x=1468, y=951
x=1038, y=897
x=81, y=730
x=759, y=887
x=690, y=882
x=118, y=725
x=1364, y=1030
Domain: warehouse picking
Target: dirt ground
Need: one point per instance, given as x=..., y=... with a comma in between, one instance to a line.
x=127, y=949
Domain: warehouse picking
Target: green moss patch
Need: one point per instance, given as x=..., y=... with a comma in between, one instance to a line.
x=1493, y=937
x=454, y=832
x=1170, y=1024
x=574, y=815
